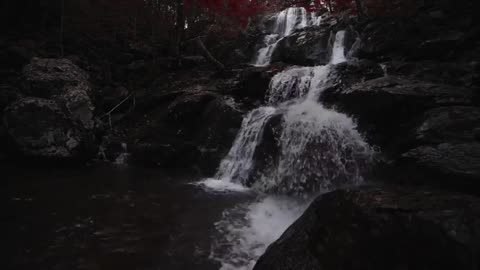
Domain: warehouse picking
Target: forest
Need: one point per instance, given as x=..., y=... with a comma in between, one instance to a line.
x=240, y=134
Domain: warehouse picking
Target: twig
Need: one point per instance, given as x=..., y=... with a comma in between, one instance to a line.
x=109, y=113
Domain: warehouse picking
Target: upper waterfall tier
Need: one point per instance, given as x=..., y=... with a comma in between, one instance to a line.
x=286, y=22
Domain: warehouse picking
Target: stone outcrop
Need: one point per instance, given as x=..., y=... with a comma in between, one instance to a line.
x=41, y=128
x=381, y=228
x=56, y=119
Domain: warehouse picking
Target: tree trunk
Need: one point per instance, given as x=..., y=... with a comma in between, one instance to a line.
x=208, y=55
x=180, y=27
x=62, y=22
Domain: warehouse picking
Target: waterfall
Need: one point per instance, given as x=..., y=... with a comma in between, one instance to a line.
x=318, y=149
x=287, y=21
x=338, y=51
x=238, y=163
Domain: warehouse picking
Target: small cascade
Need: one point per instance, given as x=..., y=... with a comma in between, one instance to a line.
x=289, y=85
x=122, y=159
x=338, y=50
x=239, y=161
x=286, y=23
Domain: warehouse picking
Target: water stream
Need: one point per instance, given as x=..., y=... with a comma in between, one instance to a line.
x=318, y=150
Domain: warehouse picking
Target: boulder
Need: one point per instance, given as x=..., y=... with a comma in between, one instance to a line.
x=384, y=106
x=194, y=129
x=252, y=83
x=64, y=82
x=188, y=108
x=41, y=128
x=348, y=73
x=449, y=124
x=219, y=126
x=305, y=47
x=449, y=164
x=381, y=228
x=46, y=78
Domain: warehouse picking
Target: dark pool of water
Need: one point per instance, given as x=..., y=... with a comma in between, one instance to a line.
x=107, y=218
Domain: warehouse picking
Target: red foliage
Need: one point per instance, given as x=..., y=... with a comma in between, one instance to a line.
x=237, y=10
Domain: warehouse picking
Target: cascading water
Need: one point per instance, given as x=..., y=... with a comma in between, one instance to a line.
x=286, y=23
x=319, y=150
x=239, y=160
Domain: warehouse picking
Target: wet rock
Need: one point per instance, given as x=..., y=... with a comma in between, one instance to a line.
x=455, y=164
x=384, y=105
x=40, y=128
x=448, y=124
x=305, y=47
x=346, y=74
x=79, y=106
x=189, y=107
x=267, y=152
x=195, y=129
x=252, y=83
x=381, y=38
x=219, y=126
x=381, y=228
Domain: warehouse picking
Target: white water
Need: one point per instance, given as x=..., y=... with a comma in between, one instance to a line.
x=286, y=23
x=247, y=229
x=320, y=150
x=338, y=51
x=239, y=161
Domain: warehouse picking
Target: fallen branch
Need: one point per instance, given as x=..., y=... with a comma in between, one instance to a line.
x=109, y=113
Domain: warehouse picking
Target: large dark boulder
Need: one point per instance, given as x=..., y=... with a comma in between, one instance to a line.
x=305, y=47
x=381, y=228
x=64, y=82
x=187, y=109
x=41, y=128
x=56, y=120
x=220, y=122
x=195, y=129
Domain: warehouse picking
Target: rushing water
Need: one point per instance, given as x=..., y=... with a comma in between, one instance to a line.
x=286, y=22
x=319, y=150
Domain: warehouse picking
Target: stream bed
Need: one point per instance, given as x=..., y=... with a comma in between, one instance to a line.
x=110, y=218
